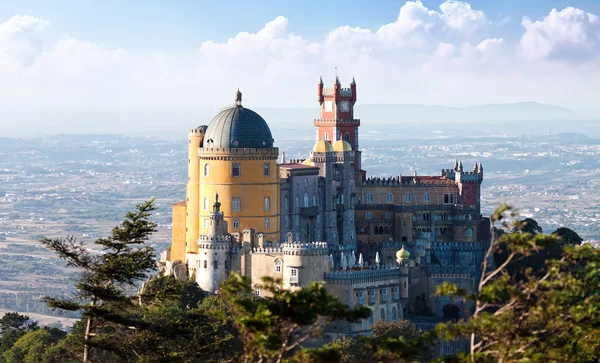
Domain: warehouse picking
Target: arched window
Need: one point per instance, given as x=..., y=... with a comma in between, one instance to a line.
x=394, y=314
x=305, y=199
x=206, y=169
x=347, y=136
x=297, y=202
x=426, y=197
x=287, y=221
x=368, y=215
x=267, y=169
x=267, y=223
x=371, y=319
x=205, y=222
x=286, y=203
x=382, y=314
x=236, y=223
x=235, y=204
x=369, y=197
x=314, y=200
x=267, y=203
x=389, y=197
x=206, y=203
x=257, y=290
x=278, y=264
x=407, y=198
x=469, y=232
x=277, y=288
x=325, y=136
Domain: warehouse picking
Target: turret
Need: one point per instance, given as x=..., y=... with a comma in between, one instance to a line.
x=195, y=138
x=320, y=90
x=353, y=87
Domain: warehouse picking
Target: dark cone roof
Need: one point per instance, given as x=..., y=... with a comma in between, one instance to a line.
x=238, y=127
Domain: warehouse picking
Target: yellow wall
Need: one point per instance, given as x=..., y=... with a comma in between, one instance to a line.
x=178, y=232
x=192, y=190
x=252, y=186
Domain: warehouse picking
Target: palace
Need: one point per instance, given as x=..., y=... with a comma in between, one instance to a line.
x=385, y=243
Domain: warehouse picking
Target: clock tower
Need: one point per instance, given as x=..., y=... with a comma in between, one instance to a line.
x=337, y=120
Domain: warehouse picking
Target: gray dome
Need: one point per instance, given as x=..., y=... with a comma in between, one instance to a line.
x=238, y=127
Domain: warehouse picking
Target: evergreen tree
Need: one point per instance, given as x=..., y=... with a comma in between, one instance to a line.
x=552, y=317
x=103, y=291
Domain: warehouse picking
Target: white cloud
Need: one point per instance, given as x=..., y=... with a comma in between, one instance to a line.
x=570, y=30
x=424, y=56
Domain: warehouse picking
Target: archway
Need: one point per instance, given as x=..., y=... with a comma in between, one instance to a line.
x=451, y=311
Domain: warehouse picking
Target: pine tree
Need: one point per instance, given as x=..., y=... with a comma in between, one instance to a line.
x=108, y=278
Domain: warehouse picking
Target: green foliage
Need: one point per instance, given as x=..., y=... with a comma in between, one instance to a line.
x=14, y=321
x=33, y=345
x=102, y=290
x=538, y=318
x=271, y=328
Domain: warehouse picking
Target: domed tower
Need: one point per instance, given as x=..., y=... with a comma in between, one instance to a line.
x=238, y=161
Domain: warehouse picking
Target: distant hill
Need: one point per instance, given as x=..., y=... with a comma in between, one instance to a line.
x=386, y=113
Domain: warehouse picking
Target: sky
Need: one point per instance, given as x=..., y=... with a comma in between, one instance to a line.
x=192, y=55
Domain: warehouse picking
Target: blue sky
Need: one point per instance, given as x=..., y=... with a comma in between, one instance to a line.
x=72, y=55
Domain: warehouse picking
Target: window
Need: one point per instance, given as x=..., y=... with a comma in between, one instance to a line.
x=216, y=264
x=368, y=215
x=294, y=275
x=226, y=264
x=297, y=220
x=205, y=264
x=235, y=204
x=388, y=215
x=267, y=223
x=448, y=198
x=394, y=314
x=447, y=350
x=384, y=294
x=371, y=322
x=278, y=265
x=382, y=314
x=267, y=203
x=297, y=202
x=205, y=222
x=236, y=223
x=206, y=203
x=469, y=232
x=267, y=169
x=369, y=197
x=389, y=197
x=407, y=198
x=396, y=293
x=314, y=200
x=277, y=288
x=286, y=203
x=325, y=136
x=235, y=170
x=206, y=169
x=287, y=221
x=305, y=199
x=361, y=298
x=347, y=136
x=426, y=197
x=257, y=290
x=372, y=297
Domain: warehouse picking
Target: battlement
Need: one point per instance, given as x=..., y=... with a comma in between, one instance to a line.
x=214, y=240
x=346, y=92
x=460, y=246
x=401, y=181
x=233, y=153
x=268, y=250
x=305, y=248
x=197, y=132
x=333, y=122
x=372, y=275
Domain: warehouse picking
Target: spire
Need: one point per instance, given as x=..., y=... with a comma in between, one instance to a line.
x=353, y=81
x=238, y=98
x=320, y=80
x=343, y=261
x=480, y=167
x=360, y=260
x=217, y=204
x=377, y=260
x=455, y=165
x=475, y=168
x=460, y=166
x=352, y=261
x=283, y=157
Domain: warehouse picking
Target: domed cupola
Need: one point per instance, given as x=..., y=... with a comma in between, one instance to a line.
x=238, y=127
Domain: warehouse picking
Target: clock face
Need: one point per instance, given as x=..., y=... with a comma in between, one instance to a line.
x=344, y=106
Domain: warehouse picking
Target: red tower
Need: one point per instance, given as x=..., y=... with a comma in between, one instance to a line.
x=337, y=120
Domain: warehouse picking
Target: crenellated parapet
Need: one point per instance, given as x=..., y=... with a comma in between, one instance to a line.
x=238, y=153
x=216, y=239
x=334, y=122
x=400, y=181
x=451, y=271
x=305, y=248
x=268, y=250
x=346, y=277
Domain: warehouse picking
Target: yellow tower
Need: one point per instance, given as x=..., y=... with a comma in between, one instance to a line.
x=238, y=161
x=195, y=137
